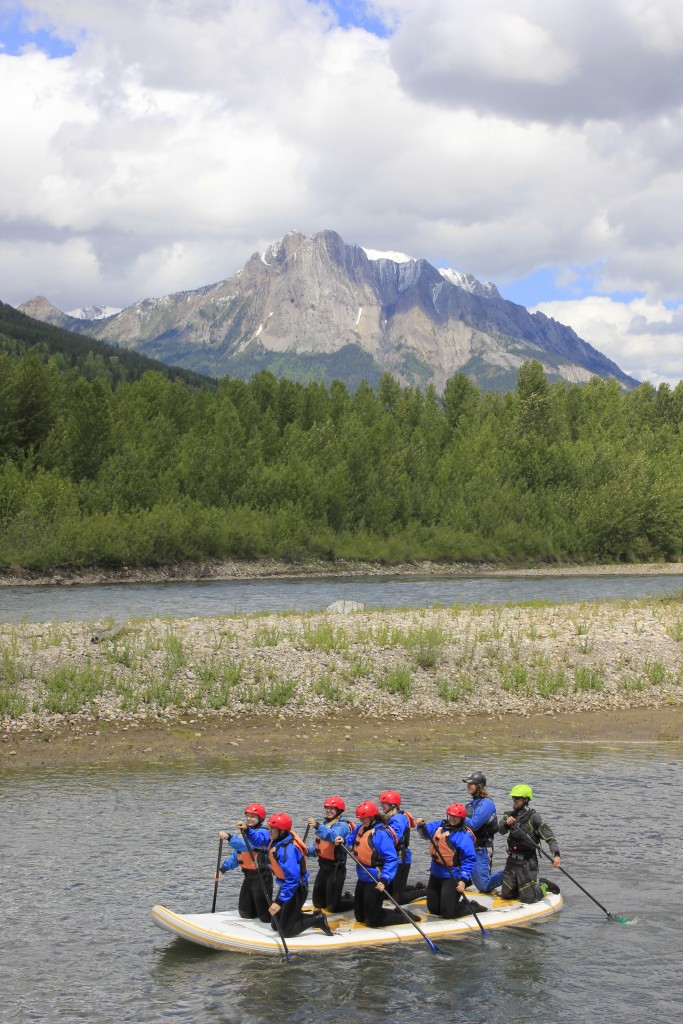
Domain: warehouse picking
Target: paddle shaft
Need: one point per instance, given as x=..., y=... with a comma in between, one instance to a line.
x=437, y=851
x=218, y=867
x=432, y=945
x=570, y=877
x=250, y=848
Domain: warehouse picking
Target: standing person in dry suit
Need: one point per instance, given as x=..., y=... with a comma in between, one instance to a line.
x=400, y=822
x=373, y=845
x=287, y=855
x=453, y=860
x=329, y=882
x=482, y=820
x=525, y=828
x=252, y=902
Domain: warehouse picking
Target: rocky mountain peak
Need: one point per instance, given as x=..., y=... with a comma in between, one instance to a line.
x=315, y=306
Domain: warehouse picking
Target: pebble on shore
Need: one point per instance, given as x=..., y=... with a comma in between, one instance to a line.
x=386, y=664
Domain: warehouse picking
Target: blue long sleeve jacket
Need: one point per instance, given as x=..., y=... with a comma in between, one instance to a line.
x=231, y=862
x=330, y=832
x=259, y=839
x=400, y=824
x=479, y=812
x=289, y=858
x=384, y=845
x=465, y=844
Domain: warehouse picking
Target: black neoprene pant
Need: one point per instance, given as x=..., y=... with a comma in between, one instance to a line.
x=328, y=885
x=291, y=918
x=443, y=897
x=252, y=902
x=368, y=909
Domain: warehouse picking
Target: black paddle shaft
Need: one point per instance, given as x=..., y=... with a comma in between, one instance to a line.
x=250, y=848
x=432, y=945
x=215, y=884
x=540, y=849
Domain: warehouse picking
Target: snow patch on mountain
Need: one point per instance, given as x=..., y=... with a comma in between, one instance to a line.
x=469, y=283
x=395, y=257
x=93, y=312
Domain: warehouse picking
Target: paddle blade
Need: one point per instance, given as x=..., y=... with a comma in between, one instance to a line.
x=622, y=920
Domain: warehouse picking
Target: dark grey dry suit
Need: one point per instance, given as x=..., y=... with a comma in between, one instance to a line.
x=520, y=875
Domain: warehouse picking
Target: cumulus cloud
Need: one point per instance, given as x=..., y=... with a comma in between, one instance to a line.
x=498, y=138
x=644, y=338
x=570, y=60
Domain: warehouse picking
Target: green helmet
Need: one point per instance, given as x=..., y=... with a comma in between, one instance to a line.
x=525, y=792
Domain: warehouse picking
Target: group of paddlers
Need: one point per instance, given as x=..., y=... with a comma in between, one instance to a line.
x=460, y=846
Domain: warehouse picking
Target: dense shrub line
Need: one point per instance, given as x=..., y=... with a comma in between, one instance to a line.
x=153, y=471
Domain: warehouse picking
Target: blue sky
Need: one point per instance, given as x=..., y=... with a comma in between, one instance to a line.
x=152, y=147
x=356, y=13
x=16, y=35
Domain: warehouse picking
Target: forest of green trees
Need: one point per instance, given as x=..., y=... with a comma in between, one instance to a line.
x=152, y=470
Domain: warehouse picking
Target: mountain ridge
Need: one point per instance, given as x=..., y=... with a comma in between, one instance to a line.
x=308, y=305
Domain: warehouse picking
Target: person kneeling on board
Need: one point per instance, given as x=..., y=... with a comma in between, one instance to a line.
x=400, y=822
x=287, y=855
x=525, y=828
x=374, y=847
x=453, y=860
x=329, y=882
x=253, y=900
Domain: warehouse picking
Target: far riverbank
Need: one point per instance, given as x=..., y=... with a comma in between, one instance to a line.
x=187, y=572
x=189, y=687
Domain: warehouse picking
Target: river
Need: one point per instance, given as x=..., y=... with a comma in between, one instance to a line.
x=86, y=853
x=173, y=600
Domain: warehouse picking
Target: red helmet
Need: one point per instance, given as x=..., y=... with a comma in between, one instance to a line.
x=281, y=821
x=390, y=796
x=367, y=810
x=257, y=809
x=457, y=810
x=336, y=802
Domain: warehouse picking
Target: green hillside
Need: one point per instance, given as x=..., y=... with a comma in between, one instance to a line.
x=20, y=334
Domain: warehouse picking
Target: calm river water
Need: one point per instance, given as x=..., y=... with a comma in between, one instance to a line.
x=120, y=601
x=86, y=853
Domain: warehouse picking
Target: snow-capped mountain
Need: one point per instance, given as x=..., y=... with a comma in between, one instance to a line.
x=94, y=312
x=317, y=308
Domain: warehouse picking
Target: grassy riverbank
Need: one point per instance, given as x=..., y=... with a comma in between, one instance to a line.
x=202, y=683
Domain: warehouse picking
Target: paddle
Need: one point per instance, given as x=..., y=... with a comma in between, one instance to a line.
x=217, y=876
x=250, y=848
x=432, y=945
x=437, y=851
x=610, y=917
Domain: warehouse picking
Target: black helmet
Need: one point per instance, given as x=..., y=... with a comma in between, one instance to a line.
x=478, y=778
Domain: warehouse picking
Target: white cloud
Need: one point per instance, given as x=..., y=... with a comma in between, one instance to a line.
x=497, y=138
x=569, y=60
x=644, y=338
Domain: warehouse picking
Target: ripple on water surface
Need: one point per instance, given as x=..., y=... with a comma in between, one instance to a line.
x=227, y=597
x=86, y=854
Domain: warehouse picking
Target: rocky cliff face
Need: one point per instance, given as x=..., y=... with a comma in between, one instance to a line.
x=315, y=307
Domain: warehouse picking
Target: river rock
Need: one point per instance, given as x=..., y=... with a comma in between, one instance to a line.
x=345, y=607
